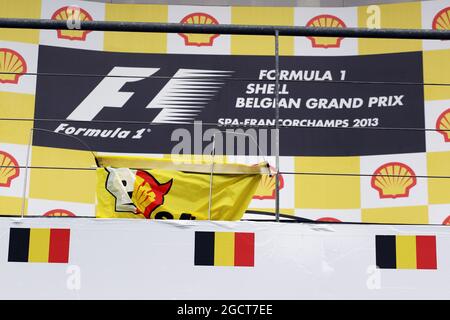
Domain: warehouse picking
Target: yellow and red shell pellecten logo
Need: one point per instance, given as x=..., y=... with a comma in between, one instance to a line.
x=12, y=66
x=446, y=222
x=443, y=124
x=136, y=191
x=59, y=213
x=441, y=20
x=9, y=169
x=393, y=180
x=266, y=187
x=330, y=21
x=72, y=14
x=148, y=193
x=199, y=40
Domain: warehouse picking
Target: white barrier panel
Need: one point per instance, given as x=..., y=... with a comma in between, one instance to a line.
x=141, y=259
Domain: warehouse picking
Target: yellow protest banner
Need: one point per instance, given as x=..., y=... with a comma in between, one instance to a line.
x=162, y=189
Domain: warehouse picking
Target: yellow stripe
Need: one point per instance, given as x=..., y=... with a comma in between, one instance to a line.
x=39, y=245
x=224, y=249
x=406, y=252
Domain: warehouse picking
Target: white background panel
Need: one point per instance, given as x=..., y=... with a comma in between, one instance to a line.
x=26, y=83
x=418, y=194
x=38, y=207
x=438, y=213
x=123, y=259
x=19, y=152
x=348, y=46
x=435, y=140
x=94, y=39
x=220, y=45
x=429, y=10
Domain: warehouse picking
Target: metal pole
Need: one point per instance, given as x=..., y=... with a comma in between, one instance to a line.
x=213, y=152
x=24, y=191
x=277, y=128
x=300, y=31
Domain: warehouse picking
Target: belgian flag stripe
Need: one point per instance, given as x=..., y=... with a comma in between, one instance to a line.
x=59, y=244
x=204, y=248
x=19, y=240
x=39, y=245
x=406, y=252
x=224, y=249
x=386, y=256
x=244, y=251
x=426, y=252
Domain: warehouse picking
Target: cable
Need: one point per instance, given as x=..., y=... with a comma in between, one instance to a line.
x=212, y=124
x=88, y=148
x=281, y=172
x=285, y=216
x=363, y=175
x=229, y=79
x=298, y=219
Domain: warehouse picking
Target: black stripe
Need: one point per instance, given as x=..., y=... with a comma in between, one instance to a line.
x=386, y=252
x=19, y=243
x=204, y=248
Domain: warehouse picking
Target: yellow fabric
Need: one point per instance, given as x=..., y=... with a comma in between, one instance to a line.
x=188, y=164
x=172, y=194
x=224, y=249
x=406, y=252
x=39, y=245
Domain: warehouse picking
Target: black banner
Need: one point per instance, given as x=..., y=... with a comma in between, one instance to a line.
x=147, y=103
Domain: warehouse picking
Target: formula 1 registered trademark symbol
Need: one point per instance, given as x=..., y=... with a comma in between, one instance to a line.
x=149, y=130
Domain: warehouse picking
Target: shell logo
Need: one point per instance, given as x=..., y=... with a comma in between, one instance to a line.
x=443, y=124
x=328, y=219
x=72, y=13
x=199, y=40
x=148, y=193
x=12, y=64
x=136, y=191
x=266, y=187
x=326, y=20
x=446, y=222
x=59, y=213
x=441, y=20
x=9, y=169
x=393, y=180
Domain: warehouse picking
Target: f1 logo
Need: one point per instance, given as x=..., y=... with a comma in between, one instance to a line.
x=107, y=94
x=181, y=99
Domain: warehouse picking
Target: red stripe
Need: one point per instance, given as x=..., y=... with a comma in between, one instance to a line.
x=59, y=245
x=244, y=249
x=426, y=252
